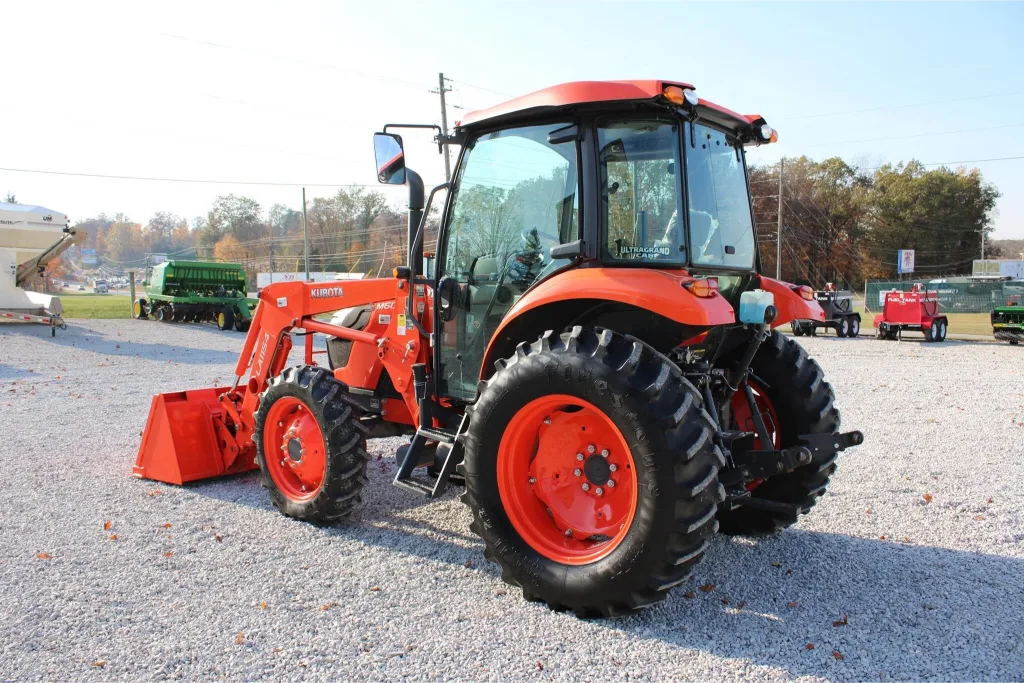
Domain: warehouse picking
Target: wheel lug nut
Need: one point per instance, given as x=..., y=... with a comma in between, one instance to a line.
x=604, y=453
x=586, y=486
x=591, y=448
x=533, y=480
x=613, y=467
x=579, y=456
x=568, y=532
x=577, y=471
x=610, y=484
x=599, y=491
x=547, y=420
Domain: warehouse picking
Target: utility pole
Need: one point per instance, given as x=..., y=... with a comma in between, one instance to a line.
x=441, y=90
x=778, y=237
x=305, y=234
x=271, y=248
x=983, y=244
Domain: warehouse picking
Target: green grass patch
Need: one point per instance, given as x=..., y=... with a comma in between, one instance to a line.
x=105, y=306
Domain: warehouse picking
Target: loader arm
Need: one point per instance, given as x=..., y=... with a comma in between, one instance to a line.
x=205, y=433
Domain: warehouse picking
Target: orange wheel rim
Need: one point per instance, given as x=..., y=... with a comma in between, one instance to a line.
x=294, y=449
x=567, y=479
x=743, y=418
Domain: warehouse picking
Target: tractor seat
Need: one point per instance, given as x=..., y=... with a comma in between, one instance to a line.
x=355, y=318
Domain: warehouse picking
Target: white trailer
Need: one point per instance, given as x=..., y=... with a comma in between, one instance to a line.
x=31, y=237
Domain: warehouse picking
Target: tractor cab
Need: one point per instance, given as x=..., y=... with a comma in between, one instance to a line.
x=626, y=179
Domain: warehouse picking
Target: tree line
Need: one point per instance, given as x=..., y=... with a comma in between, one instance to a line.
x=352, y=230
x=842, y=223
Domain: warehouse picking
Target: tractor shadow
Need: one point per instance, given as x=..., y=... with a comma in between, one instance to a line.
x=911, y=612
x=82, y=338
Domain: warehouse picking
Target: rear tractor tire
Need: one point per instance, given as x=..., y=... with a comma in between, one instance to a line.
x=225, y=318
x=802, y=402
x=591, y=472
x=311, y=446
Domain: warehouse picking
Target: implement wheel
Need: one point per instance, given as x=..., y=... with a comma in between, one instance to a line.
x=161, y=314
x=139, y=311
x=225, y=318
x=242, y=325
x=310, y=445
x=591, y=472
x=795, y=399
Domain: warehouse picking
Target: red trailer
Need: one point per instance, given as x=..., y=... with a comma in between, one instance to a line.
x=916, y=310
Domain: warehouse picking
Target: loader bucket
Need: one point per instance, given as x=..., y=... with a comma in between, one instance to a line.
x=184, y=439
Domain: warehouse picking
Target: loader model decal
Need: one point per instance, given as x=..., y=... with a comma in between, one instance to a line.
x=325, y=292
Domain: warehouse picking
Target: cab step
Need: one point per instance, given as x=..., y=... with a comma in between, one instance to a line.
x=420, y=451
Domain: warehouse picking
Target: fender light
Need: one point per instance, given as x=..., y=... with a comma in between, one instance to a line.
x=805, y=292
x=702, y=288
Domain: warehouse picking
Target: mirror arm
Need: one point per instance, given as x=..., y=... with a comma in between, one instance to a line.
x=416, y=243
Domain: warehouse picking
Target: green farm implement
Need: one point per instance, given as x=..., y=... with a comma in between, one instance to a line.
x=196, y=291
x=1008, y=323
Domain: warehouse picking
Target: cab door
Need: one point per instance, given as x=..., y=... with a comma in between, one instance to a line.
x=516, y=196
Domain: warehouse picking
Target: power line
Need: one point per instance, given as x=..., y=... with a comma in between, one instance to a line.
x=183, y=180
x=916, y=135
x=902, y=106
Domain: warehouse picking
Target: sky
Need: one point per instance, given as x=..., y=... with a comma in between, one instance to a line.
x=289, y=94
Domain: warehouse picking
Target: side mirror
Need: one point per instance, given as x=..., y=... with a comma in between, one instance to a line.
x=387, y=148
x=447, y=291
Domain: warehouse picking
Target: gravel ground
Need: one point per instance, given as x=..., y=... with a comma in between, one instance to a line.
x=917, y=549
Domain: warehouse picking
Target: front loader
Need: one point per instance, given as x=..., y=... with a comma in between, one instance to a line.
x=594, y=358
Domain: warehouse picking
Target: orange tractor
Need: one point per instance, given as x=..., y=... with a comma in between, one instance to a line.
x=593, y=358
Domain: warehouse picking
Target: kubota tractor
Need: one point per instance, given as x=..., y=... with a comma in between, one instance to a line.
x=595, y=358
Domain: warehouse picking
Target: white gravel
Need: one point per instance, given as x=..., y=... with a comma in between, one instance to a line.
x=209, y=581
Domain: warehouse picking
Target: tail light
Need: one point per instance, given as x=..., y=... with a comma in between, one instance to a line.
x=702, y=288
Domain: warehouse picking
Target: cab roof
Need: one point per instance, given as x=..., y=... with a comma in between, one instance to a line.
x=592, y=92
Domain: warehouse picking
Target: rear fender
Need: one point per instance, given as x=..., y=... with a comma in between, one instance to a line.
x=652, y=305
x=790, y=305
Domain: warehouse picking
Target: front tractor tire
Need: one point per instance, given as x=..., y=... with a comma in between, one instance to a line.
x=794, y=399
x=311, y=446
x=591, y=472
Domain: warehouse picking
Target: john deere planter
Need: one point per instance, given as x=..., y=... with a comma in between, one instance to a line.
x=196, y=291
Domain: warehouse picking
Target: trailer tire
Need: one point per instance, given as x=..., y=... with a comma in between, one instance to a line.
x=804, y=404
x=942, y=330
x=139, y=309
x=225, y=318
x=854, y=326
x=305, y=407
x=843, y=327
x=661, y=443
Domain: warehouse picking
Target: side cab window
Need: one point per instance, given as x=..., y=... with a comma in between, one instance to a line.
x=516, y=196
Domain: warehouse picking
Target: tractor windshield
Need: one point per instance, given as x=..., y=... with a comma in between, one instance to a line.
x=721, y=230
x=640, y=192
